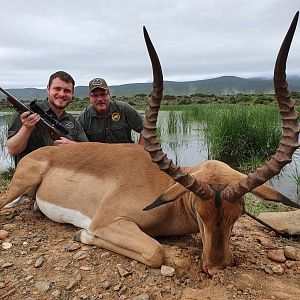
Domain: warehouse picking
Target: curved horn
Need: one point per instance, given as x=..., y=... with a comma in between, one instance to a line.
x=289, y=140
x=152, y=145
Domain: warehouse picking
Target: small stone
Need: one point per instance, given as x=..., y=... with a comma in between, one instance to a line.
x=77, y=276
x=123, y=272
x=6, y=245
x=276, y=255
x=106, y=285
x=71, y=285
x=117, y=287
x=73, y=247
x=2, y=284
x=39, y=262
x=142, y=297
x=28, y=278
x=289, y=264
x=9, y=226
x=83, y=268
x=167, y=271
x=272, y=233
x=123, y=290
x=182, y=262
x=268, y=270
x=56, y=293
x=290, y=252
x=42, y=286
x=3, y=234
x=7, y=265
x=265, y=241
x=278, y=269
x=79, y=255
x=105, y=254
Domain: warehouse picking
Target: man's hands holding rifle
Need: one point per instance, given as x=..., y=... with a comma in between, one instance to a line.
x=29, y=120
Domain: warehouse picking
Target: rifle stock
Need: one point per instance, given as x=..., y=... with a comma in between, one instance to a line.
x=20, y=108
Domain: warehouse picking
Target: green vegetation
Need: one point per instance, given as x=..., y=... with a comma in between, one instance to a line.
x=140, y=101
x=245, y=135
x=5, y=178
x=241, y=135
x=258, y=206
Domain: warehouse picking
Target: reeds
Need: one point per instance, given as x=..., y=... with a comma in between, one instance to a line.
x=242, y=135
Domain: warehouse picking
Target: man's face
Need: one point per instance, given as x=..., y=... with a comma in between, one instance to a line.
x=60, y=93
x=100, y=100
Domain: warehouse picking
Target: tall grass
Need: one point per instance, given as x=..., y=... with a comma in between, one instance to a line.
x=241, y=135
x=3, y=139
x=244, y=134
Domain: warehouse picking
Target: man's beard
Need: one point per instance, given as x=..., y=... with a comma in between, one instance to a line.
x=60, y=105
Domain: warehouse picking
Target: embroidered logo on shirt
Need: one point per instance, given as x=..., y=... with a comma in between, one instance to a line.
x=69, y=125
x=115, y=116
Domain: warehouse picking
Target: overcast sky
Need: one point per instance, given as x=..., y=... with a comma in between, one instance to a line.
x=195, y=39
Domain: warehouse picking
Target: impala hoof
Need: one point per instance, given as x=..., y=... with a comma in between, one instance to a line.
x=77, y=236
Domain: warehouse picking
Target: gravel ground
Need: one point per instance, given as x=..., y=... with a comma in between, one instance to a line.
x=40, y=260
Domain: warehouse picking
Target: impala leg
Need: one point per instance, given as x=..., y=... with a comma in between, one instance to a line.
x=126, y=238
x=24, y=182
x=16, y=189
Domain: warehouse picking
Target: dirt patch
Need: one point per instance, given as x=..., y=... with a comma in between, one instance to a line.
x=43, y=262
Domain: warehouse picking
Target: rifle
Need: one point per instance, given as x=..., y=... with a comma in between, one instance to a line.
x=47, y=121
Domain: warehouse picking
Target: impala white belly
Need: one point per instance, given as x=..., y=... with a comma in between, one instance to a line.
x=63, y=215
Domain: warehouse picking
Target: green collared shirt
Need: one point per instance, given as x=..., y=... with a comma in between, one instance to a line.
x=116, y=127
x=40, y=137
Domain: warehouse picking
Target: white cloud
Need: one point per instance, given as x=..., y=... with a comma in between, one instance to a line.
x=194, y=39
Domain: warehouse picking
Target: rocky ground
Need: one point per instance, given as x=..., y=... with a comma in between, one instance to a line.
x=40, y=260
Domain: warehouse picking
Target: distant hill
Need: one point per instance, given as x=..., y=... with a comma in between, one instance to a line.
x=225, y=85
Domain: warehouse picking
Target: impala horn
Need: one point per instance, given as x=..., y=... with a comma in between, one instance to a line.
x=152, y=145
x=289, y=140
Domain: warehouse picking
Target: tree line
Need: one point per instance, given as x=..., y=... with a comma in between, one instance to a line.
x=140, y=101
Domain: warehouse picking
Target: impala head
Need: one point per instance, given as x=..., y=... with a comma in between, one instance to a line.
x=216, y=219
x=218, y=191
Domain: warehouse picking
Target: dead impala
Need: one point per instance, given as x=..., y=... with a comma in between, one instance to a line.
x=103, y=188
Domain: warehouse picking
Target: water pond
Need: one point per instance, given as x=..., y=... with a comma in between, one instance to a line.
x=186, y=146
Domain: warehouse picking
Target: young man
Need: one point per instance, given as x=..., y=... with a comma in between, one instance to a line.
x=106, y=120
x=24, y=136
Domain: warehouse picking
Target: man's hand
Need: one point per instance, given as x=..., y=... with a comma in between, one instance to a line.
x=62, y=141
x=29, y=120
x=18, y=143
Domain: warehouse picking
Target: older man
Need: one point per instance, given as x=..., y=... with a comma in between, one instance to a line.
x=106, y=120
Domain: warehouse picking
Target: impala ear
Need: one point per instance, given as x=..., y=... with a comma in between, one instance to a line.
x=171, y=194
x=267, y=193
x=156, y=203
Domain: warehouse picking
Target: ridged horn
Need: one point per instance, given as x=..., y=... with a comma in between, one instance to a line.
x=152, y=145
x=289, y=139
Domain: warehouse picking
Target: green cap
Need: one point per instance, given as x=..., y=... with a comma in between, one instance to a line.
x=97, y=83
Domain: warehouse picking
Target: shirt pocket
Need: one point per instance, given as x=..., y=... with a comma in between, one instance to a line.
x=120, y=133
x=95, y=135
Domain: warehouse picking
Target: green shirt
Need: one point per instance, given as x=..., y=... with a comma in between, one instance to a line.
x=40, y=137
x=116, y=127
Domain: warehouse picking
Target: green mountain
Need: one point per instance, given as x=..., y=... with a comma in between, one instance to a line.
x=225, y=85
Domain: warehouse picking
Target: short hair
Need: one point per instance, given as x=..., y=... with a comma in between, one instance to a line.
x=62, y=75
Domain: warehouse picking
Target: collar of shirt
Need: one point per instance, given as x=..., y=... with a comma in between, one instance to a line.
x=46, y=107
